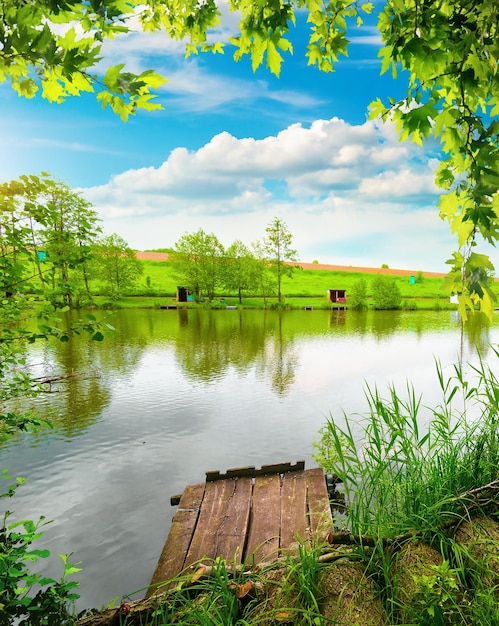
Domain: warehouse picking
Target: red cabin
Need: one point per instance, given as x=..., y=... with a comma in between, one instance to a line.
x=337, y=295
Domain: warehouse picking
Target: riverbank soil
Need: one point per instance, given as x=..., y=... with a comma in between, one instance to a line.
x=414, y=561
x=349, y=596
x=163, y=256
x=479, y=537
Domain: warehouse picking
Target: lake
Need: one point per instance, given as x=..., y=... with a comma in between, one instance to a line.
x=176, y=393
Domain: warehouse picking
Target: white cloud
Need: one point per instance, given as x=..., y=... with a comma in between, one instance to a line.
x=403, y=183
x=349, y=194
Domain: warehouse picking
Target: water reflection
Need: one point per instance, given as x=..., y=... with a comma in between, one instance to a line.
x=281, y=359
x=178, y=392
x=208, y=344
x=476, y=331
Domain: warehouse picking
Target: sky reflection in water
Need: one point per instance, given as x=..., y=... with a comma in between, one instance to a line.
x=177, y=393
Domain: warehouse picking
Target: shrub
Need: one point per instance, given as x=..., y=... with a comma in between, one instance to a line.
x=357, y=295
x=386, y=294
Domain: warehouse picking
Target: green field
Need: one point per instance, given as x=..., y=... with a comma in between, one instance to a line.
x=158, y=284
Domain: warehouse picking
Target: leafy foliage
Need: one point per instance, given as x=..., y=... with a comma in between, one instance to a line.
x=357, y=296
x=198, y=258
x=277, y=251
x=450, y=53
x=436, y=596
x=54, y=45
x=25, y=597
x=385, y=292
x=116, y=265
x=241, y=269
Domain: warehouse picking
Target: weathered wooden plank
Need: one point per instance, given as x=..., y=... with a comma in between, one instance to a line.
x=319, y=509
x=172, y=558
x=247, y=470
x=265, y=521
x=214, y=515
x=282, y=468
x=235, y=519
x=293, y=511
x=250, y=470
x=203, y=543
x=233, y=524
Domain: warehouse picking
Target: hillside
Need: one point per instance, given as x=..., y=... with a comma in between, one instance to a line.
x=163, y=256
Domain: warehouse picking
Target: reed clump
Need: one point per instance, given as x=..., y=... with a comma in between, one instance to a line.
x=421, y=487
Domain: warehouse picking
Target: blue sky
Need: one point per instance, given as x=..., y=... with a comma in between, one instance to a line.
x=232, y=149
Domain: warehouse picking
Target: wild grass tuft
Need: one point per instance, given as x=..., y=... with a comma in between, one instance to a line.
x=211, y=596
x=302, y=580
x=404, y=465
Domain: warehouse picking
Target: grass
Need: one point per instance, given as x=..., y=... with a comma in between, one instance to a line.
x=411, y=474
x=158, y=285
x=304, y=282
x=308, y=287
x=402, y=464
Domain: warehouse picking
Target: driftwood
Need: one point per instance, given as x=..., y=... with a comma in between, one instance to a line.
x=51, y=380
x=134, y=612
x=478, y=493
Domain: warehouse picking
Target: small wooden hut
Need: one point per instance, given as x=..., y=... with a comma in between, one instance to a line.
x=182, y=294
x=337, y=295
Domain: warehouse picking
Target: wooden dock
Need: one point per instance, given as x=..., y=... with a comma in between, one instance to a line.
x=245, y=515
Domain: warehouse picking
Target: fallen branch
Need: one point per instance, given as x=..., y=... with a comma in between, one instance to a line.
x=50, y=380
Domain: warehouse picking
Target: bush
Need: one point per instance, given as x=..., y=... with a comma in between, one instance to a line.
x=357, y=295
x=386, y=294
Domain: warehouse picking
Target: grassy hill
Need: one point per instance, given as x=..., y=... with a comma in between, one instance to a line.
x=308, y=287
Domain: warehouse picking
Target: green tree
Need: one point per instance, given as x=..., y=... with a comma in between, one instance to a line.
x=448, y=51
x=116, y=265
x=240, y=269
x=69, y=227
x=357, y=295
x=198, y=259
x=264, y=279
x=44, y=219
x=278, y=251
x=385, y=292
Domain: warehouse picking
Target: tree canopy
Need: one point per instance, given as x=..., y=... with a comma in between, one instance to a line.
x=447, y=49
x=46, y=233
x=198, y=258
x=116, y=265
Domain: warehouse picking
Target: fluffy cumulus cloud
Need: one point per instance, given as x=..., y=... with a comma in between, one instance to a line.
x=349, y=194
x=328, y=158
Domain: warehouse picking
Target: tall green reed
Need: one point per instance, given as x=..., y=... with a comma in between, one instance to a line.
x=403, y=464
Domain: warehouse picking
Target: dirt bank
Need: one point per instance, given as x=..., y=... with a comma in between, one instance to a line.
x=163, y=256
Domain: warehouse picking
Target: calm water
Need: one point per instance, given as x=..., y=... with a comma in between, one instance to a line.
x=176, y=393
